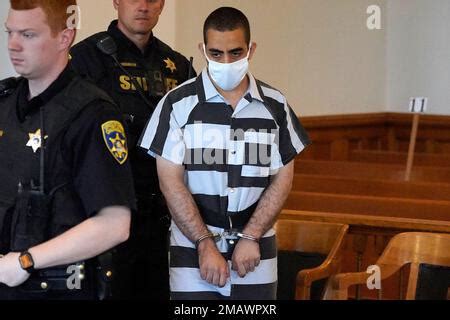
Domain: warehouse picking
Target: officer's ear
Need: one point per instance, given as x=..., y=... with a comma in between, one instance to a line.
x=66, y=38
x=161, y=7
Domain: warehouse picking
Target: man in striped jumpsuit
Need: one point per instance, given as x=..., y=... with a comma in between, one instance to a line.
x=225, y=144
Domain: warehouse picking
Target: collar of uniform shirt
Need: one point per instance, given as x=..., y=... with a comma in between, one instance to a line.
x=24, y=107
x=122, y=40
x=211, y=91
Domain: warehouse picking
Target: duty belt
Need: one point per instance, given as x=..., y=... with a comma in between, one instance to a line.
x=56, y=279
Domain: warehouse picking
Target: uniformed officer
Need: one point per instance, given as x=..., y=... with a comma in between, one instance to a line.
x=112, y=59
x=67, y=190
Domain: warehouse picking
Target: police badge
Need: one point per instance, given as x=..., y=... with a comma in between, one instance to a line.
x=114, y=136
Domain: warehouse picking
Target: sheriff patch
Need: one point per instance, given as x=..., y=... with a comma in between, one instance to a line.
x=115, y=139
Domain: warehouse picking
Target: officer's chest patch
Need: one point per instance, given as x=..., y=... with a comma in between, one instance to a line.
x=115, y=140
x=156, y=82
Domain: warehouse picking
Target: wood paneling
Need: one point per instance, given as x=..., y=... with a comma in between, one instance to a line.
x=371, y=187
x=381, y=131
x=379, y=171
x=396, y=157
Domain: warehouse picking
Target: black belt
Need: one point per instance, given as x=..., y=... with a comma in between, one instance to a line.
x=238, y=221
x=55, y=279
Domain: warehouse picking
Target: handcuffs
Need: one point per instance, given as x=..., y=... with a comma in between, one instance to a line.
x=231, y=236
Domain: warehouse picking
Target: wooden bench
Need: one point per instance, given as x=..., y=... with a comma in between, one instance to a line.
x=315, y=239
x=371, y=170
x=406, y=249
x=368, y=205
x=368, y=223
x=371, y=187
x=367, y=238
x=393, y=157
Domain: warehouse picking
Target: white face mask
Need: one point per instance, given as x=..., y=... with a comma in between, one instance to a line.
x=228, y=75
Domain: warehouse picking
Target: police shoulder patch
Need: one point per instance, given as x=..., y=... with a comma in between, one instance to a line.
x=115, y=139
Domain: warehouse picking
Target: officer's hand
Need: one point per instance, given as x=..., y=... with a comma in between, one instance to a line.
x=246, y=257
x=11, y=273
x=213, y=267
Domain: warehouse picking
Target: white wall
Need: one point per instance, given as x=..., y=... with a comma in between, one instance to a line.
x=319, y=53
x=418, y=45
x=165, y=30
x=95, y=17
x=6, y=69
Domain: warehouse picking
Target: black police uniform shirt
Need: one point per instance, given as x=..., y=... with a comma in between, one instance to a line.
x=158, y=70
x=101, y=177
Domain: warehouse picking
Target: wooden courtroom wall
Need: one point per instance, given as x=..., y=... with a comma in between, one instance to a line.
x=335, y=136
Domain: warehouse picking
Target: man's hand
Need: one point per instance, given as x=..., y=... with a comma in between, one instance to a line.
x=213, y=267
x=11, y=273
x=246, y=257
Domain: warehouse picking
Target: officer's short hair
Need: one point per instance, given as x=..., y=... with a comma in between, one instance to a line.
x=227, y=19
x=55, y=10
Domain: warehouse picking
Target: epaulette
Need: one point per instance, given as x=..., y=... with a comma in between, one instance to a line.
x=163, y=46
x=7, y=86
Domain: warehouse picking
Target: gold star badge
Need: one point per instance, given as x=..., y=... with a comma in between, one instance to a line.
x=35, y=140
x=1, y=133
x=170, y=65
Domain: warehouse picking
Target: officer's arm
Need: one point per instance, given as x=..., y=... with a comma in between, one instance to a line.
x=86, y=240
x=106, y=229
x=213, y=267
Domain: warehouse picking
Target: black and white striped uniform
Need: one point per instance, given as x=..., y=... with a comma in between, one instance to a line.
x=229, y=156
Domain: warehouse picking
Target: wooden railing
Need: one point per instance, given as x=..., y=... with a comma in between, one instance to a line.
x=395, y=157
x=361, y=170
x=371, y=187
